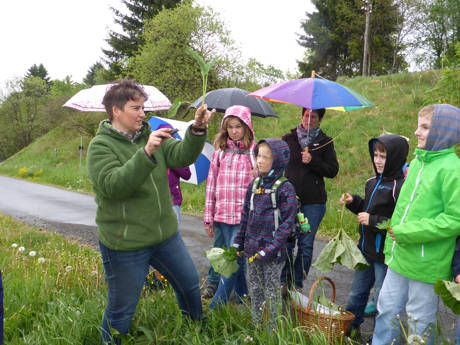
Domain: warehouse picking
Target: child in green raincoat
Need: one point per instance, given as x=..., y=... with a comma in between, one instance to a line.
x=425, y=225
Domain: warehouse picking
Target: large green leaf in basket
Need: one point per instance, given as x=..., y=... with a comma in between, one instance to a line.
x=223, y=261
x=450, y=294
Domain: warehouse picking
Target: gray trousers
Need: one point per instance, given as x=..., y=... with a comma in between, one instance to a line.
x=263, y=281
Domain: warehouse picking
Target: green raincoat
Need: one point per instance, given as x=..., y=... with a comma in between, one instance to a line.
x=426, y=220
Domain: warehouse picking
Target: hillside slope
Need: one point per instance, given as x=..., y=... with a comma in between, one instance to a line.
x=397, y=98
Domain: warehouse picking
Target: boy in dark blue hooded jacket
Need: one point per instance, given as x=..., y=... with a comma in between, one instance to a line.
x=388, y=154
x=262, y=241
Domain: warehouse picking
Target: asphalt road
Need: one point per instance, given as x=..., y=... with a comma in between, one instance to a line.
x=72, y=215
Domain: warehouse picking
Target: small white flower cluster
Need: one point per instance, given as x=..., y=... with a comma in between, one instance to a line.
x=248, y=339
x=32, y=253
x=415, y=339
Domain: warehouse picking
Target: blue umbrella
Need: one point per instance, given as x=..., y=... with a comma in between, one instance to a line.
x=200, y=168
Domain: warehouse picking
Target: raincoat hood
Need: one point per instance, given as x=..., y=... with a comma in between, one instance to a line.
x=241, y=112
x=397, y=149
x=281, y=154
x=444, y=129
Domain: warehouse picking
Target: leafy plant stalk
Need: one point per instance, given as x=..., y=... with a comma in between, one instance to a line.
x=205, y=67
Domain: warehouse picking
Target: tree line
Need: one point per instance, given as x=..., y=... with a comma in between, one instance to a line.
x=156, y=33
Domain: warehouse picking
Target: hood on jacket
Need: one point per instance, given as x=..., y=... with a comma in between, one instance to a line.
x=444, y=129
x=241, y=112
x=397, y=149
x=281, y=154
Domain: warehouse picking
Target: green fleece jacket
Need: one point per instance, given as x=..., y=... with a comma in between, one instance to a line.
x=134, y=207
x=426, y=220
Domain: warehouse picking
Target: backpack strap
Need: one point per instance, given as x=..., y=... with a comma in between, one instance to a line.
x=239, y=152
x=273, y=197
x=255, y=186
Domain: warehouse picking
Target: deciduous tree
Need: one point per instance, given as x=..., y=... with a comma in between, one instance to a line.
x=334, y=38
x=163, y=60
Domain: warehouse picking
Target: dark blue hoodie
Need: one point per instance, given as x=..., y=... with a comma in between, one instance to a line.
x=381, y=194
x=257, y=226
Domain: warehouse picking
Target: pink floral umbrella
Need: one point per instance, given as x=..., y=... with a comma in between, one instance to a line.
x=91, y=99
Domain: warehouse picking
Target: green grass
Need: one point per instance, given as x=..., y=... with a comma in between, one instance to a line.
x=58, y=297
x=398, y=98
x=62, y=300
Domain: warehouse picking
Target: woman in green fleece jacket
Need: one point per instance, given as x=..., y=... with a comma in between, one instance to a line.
x=425, y=225
x=137, y=227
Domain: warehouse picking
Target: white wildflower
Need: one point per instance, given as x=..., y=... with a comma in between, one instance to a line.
x=14, y=245
x=248, y=339
x=32, y=253
x=21, y=249
x=93, y=273
x=41, y=260
x=68, y=268
x=415, y=339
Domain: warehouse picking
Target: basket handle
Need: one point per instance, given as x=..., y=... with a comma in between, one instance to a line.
x=312, y=290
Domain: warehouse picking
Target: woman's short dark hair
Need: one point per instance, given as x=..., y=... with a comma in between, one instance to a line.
x=320, y=112
x=120, y=93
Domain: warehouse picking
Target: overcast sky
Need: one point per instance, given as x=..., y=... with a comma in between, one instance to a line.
x=67, y=36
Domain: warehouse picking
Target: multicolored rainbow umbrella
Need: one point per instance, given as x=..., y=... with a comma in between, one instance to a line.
x=313, y=93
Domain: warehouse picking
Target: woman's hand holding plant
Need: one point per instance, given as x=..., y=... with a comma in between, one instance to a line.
x=306, y=157
x=202, y=118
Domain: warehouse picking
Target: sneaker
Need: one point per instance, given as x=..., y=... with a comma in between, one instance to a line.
x=371, y=309
x=210, y=290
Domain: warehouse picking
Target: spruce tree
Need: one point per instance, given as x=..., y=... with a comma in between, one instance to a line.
x=126, y=44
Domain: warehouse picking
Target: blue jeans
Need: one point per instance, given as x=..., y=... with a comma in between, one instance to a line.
x=213, y=276
x=301, y=265
x=237, y=280
x=125, y=273
x=363, y=280
x=421, y=304
x=1, y=309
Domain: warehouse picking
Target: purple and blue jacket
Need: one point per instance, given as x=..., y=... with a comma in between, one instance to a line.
x=257, y=232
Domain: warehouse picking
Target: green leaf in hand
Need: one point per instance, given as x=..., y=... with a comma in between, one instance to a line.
x=219, y=260
x=230, y=253
x=172, y=112
x=385, y=225
x=341, y=250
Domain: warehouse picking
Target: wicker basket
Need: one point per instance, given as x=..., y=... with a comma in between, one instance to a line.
x=332, y=326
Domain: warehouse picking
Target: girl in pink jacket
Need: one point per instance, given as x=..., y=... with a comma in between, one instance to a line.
x=230, y=172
